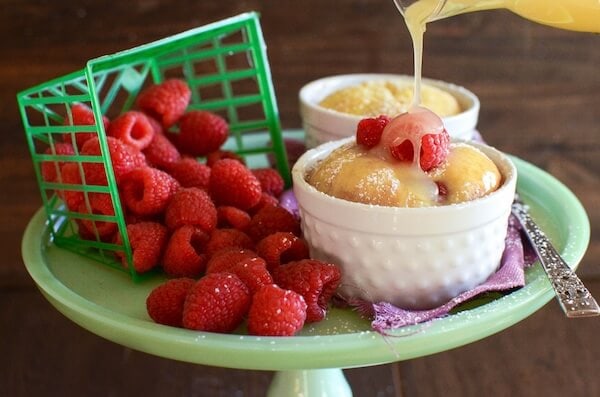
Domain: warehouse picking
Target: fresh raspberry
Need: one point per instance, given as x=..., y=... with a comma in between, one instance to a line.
x=265, y=200
x=82, y=114
x=369, y=130
x=276, y=312
x=201, y=132
x=71, y=175
x=86, y=234
x=100, y=204
x=270, y=181
x=184, y=255
x=166, y=101
x=217, y=155
x=164, y=304
x=405, y=130
x=133, y=128
x=156, y=125
x=190, y=173
x=51, y=169
x=124, y=158
x=280, y=248
x=253, y=272
x=227, y=238
x=434, y=149
x=172, y=137
x=147, y=190
x=316, y=281
x=231, y=217
x=161, y=153
x=218, y=302
x=231, y=183
x=131, y=218
x=225, y=259
x=191, y=206
x=271, y=219
x=147, y=240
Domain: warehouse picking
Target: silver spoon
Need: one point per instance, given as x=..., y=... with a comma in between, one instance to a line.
x=572, y=295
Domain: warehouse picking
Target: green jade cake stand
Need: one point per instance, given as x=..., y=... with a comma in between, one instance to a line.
x=106, y=302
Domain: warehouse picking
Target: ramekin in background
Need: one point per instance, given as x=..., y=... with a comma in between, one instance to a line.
x=323, y=125
x=415, y=258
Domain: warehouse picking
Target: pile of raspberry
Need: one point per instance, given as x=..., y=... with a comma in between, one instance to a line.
x=215, y=227
x=434, y=147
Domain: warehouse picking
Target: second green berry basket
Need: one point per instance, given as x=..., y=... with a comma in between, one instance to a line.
x=226, y=67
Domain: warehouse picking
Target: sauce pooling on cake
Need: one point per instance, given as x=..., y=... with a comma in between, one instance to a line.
x=381, y=168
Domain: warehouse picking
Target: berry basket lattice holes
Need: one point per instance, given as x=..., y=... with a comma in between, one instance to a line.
x=226, y=68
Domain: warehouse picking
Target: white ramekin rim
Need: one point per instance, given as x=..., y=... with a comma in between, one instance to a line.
x=313, y=92
x=385, y=220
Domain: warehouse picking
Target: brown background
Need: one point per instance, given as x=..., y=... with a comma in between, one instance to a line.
x=540, y=94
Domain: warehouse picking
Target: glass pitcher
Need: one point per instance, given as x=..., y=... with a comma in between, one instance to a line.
x=579, y=15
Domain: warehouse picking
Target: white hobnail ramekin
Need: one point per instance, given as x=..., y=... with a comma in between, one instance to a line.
x=414, y=258
x=323, y=125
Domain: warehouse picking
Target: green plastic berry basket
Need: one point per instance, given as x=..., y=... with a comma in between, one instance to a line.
x=226, y=67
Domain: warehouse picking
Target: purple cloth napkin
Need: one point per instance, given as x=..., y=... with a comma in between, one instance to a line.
x=288, y=201
x=517, y=255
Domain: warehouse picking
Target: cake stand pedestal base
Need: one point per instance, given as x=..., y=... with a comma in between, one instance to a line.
x=328, y=382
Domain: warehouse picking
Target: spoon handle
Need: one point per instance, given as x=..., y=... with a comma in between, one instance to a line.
x=573, y=296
